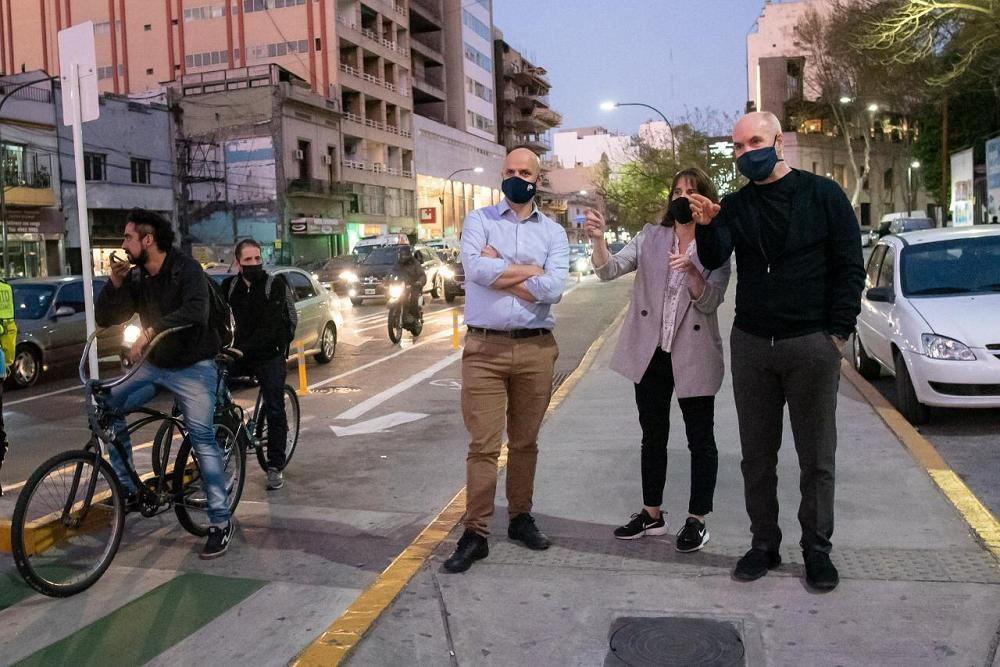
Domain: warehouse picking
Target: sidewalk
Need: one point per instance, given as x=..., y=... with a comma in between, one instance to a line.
x=916, y=588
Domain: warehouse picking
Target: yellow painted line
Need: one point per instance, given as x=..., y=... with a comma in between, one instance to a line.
x=344, y=635
x=978, y=516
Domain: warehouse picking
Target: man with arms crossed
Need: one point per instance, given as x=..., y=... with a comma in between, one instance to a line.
x=798, y=293
x=516, y=263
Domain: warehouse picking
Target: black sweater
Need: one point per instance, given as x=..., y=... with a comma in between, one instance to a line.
x=176, y=296
x=264, y=326
x=813, y=284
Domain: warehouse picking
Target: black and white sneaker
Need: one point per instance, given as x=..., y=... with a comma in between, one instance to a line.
x=640, y=525
x=693, y=536
x=218, y=541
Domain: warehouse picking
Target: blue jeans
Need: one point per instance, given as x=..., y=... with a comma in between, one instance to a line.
x=194, y=387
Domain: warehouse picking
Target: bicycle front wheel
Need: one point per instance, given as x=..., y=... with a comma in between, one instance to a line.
x=68, y=523
x=291, y=403
x=191, y=503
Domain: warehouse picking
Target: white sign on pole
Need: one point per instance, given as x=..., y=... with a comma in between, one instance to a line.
x=78, y=71
x=962, y=168
x=76, y=46
x=993, y=178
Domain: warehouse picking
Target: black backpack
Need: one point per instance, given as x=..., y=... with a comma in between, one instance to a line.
x=220, y=315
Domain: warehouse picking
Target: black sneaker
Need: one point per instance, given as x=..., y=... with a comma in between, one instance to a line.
x=755, y=564
x=522, y=528
x=218, y=541
x=471, y=547
x=821, y=573
x=693, y=536
x=640, y=525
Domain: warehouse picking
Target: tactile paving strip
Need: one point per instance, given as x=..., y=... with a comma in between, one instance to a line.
x=960, y=566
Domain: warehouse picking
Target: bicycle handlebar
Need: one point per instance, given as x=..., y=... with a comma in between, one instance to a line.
x=135, y=367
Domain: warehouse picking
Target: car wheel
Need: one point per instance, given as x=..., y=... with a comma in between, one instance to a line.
x=437, y=288
x=356, y=301
x=327, y=344
x=867, y=367
x=449, y=296
x=27, y=366
x=912, y=409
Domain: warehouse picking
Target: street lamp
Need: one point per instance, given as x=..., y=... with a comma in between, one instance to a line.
x=609, y=106
x=3, y=171
x=846, y=100
x=448, y=181
x=873, y=107
x=909, y=184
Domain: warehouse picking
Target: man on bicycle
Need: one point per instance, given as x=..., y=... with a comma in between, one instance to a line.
x=264, y=309
x=412, y=273
x=168, y=289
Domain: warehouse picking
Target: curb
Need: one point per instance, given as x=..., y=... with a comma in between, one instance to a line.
x=340, y=639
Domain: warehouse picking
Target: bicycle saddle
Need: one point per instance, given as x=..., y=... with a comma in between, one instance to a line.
x=228, y=355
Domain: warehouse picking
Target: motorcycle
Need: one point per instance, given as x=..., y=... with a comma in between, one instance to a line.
x=399, y=318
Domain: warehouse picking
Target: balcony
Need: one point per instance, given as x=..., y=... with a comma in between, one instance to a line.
x=400, y=50
x=430, y=9
x=374, y=124
x=536, y=142
x=528, y=76
x=427, y=90
x=428, y=51
x=27, y=177
x=527, y=101
x=374, y=80
x=314, y=187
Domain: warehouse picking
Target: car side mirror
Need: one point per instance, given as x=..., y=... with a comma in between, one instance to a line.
x=880, y=294
x=64, y=311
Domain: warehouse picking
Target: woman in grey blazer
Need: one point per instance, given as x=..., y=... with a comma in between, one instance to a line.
x=670, y=341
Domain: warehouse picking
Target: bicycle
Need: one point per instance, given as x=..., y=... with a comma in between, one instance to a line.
x=69, y=518
x=250, y=432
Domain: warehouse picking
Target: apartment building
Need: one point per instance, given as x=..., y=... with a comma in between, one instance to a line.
x=522, y=100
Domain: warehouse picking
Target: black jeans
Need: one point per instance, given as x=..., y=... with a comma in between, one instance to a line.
x=271, y=375
x=803, y=372
x=652, y=397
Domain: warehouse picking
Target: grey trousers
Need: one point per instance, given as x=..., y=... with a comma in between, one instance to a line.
x=803, y=372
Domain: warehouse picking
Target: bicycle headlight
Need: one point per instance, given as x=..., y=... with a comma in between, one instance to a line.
x=940, y=347
x=131, y=334
x=395, y=291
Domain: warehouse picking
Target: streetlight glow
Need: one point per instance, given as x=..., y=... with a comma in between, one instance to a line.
x=915, y=164
x=583, y=193
x=478, y=170
x=608, y=106
x=845, y=100
x=873, y=107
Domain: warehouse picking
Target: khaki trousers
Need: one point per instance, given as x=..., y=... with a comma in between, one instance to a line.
x=505, y=382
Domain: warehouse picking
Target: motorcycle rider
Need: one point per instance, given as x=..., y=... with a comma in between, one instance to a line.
x=168, y=289
x=410, y=271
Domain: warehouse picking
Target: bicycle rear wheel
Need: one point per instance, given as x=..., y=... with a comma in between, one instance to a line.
x=292, y=439
x=68, y=523
x=191, y=505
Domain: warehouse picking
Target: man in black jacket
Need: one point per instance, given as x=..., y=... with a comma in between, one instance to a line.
x=799, y=279
x=168, y=289
x=264, y=309
x=412, y=272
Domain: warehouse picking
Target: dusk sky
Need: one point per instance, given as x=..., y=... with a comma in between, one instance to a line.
x=597, y=50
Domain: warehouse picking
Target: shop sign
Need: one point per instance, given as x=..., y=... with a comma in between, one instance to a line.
x=34, y=220
x=316, y=226
x=428, y=216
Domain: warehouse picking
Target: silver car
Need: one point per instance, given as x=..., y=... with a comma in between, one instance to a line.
x=52, y=326
x=317, y=307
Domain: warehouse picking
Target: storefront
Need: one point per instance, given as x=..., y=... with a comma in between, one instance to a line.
x=316, y=239
x=34, y=241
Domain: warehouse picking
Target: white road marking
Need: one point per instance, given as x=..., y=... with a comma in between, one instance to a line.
x=380, y=398
x=46, y=395
x=426, y=341
x=378, y=424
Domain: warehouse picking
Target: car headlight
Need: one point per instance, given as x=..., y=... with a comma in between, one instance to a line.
x=581, y=265
x=131, y=334
x=395, y=291
x=447, y=273
x=939, y=347
x=349, y=276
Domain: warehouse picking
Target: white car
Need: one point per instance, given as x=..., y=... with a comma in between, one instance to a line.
x=930, y=315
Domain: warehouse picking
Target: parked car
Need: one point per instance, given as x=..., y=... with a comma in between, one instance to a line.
x=52, y=326
x=334, y=273
x=318, y=310
x=930, y=316
x=897, y=225
x=371, y=272
x=579, y=258
x=454, y=280
x=616, y=247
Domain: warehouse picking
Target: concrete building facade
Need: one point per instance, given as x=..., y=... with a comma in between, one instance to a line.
x=524, y=116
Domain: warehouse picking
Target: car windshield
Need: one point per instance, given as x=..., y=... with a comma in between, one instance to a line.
x=957, y=266
x=383, y=255
x=31, y=302
x=362, y=251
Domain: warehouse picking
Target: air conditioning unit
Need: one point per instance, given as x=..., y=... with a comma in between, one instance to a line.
x=327, y=159
x=299, y=155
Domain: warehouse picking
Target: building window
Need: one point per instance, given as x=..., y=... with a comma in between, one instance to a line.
x=205, y=13
x=302, y=157
x=95, y=166
x=104, y=27
x=476, y=25
x=474, y=55
x=278, y=49
x=840, y=175
x=480, y=122
x=149, y=71
x=887, y=178
x=263, y=5
x=208, y=59
x=478, y=89
x=147, y=28
x=140, y=171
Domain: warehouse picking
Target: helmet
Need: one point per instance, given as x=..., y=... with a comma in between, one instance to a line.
x=405, y=253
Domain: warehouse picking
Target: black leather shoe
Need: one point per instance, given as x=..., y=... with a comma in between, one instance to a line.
x=523, y=528
x=755, y=564
x=821, y=573
x=471, y=547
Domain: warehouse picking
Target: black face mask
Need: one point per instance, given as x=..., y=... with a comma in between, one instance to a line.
x=680, y=211
x=518, y=190
x=252, y=272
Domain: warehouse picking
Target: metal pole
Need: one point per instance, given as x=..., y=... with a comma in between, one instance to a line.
x=673, y=137
x=86, y=258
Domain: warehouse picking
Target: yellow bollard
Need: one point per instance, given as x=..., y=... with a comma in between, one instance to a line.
x=454, y=330
x=303, y=383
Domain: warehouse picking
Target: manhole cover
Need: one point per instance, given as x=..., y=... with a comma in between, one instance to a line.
x=638, y=642
x=336, y=390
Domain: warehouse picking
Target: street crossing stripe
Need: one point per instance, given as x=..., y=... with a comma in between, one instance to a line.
x=341, y=638
x=975, y=513
x=135, y=633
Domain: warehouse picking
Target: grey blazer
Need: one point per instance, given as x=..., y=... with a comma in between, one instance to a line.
x=696, y=352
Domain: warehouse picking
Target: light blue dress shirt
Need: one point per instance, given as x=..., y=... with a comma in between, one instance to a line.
x=536, y=240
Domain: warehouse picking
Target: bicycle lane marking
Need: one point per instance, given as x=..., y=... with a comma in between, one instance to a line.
x=415, y=379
